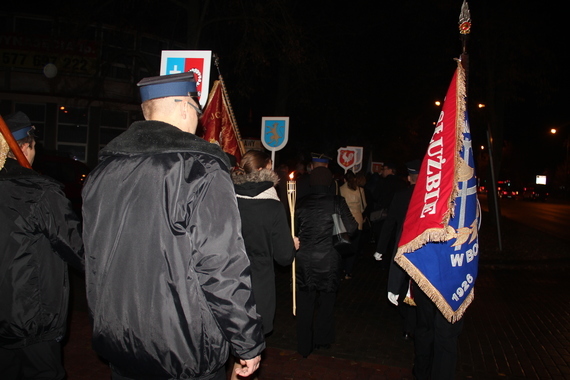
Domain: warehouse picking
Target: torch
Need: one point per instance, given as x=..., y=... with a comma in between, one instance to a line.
x=291, y=197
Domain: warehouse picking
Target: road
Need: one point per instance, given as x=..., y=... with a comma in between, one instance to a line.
x=551, y=217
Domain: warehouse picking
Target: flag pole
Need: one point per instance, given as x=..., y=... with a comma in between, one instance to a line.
x=465, y=30
x=229, y=105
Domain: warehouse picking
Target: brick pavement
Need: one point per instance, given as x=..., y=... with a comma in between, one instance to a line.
x=516, y=328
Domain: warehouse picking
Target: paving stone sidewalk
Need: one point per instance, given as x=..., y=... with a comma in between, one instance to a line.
x=517, y=327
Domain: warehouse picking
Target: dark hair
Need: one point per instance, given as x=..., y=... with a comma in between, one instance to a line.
x=254, y=160
x=350, y=178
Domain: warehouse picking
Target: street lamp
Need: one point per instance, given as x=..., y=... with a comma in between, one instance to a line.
x=555, y=131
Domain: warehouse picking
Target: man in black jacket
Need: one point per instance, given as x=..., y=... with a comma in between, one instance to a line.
x=39, y=234
x=168, y=279
x=398, y=279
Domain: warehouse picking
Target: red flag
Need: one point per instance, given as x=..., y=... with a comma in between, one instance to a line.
x=218, y=123
x=439, y=245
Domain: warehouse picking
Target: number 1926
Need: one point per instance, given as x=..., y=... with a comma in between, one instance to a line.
x=462, y=290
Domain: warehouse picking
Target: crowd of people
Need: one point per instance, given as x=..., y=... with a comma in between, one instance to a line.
x=178, y=246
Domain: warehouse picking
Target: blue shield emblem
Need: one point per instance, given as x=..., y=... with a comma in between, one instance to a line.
x=274, y=132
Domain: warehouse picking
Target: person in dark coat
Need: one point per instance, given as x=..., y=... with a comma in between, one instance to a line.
x=398, y=279
x=318, y=265
x=168, y=280
x=303, y=175
x=40, y=236
x=384, y=191
x=264, y=228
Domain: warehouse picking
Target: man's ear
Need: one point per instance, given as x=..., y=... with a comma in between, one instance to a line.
x=183, y=111
x=25, y=147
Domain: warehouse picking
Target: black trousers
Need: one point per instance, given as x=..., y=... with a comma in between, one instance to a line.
x=37, y=361
x=407, y=312
x=435, y=341
x=348, y=261
x=315, y=320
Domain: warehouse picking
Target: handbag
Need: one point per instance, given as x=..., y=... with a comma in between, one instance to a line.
x=340, y=237
x=378, y=215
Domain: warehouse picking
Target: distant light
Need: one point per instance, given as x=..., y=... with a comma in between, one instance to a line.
x=541, y=180
x=553, y=131
x=481, y=105
x=437, y=103
x=62, y=108
x=482, y=147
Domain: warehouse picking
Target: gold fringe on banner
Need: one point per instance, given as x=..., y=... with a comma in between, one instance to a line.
x=446, y=232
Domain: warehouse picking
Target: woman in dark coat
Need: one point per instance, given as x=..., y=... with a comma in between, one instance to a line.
x=318, y=263
x=265, y=229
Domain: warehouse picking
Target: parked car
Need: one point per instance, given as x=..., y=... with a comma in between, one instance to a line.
x=509, y=193
x=534, y=193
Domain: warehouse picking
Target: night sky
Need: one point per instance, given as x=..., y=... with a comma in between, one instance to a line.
x=368, y=72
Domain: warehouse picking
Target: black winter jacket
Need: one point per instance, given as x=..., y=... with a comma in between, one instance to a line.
x=39, y=234
x=168, y=280
x=266, y=234
x=318, y=263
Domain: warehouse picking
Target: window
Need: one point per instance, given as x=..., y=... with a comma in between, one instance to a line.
x=113, y=123
x=72, y=132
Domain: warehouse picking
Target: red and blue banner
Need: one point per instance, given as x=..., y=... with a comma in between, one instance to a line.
x=439, y=244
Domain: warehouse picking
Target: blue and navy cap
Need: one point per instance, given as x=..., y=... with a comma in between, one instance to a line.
x=162, y=86
x=414, y=166
x=319, y=157
x=20, y=125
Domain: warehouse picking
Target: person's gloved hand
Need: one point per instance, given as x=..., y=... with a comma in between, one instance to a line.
x=393, y=298
x=378, y=256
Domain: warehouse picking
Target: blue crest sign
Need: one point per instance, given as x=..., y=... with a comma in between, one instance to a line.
x=274, y=132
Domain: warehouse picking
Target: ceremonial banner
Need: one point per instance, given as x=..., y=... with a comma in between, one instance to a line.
x=184, y=61
x=377, y=167
x=218, y=124
x=359, y=155
x=274, y=132
x=439, y=244
x=346, y=158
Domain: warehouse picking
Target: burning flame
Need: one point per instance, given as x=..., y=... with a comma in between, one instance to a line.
x=292, y=176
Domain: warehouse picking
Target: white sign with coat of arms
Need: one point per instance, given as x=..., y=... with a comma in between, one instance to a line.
x=274, y=132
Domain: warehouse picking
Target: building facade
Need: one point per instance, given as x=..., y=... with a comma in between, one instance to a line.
x=77, y=83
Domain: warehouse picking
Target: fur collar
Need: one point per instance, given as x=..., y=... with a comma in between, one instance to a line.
x=256, y=185
x=263, y=175
x=153, y=136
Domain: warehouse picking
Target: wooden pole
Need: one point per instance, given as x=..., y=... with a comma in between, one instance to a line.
x=291, y=197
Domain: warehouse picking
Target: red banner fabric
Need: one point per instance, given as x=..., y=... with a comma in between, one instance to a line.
x=432, y=201
x=217, y=124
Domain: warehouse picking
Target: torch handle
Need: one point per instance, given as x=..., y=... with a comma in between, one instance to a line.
x=291, y=197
